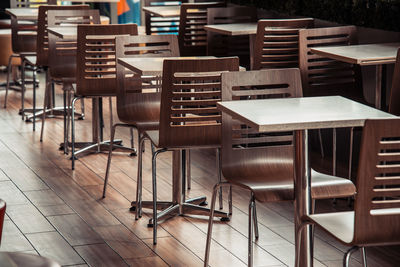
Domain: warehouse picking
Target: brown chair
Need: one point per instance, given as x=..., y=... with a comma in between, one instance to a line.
x=263, y=162
x=376, y=218
x=160, y=25
x=62, y=57
x=31, y=3
x=96, y=74
x=2, y=214
x=189, y=117
x=138, y=97
x=192, y=37
x=394, y=100
x=221, y=45
x=277, y=43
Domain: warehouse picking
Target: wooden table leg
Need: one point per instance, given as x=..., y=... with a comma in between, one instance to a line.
x=302, y=204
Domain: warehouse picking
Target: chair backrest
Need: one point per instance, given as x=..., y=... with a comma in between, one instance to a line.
x=224, y=45
x=161, y=25
x=138, y=97
x=192, y=36
x=23, y=35
x=2, y=214
x=394, y=101
x=277, y=43
x=96, y=62
x=325, y=76
x=62, y=52
x=377, y=206
x=245, y=151
x=31, y=3
x=42, y=42
x=190, y=90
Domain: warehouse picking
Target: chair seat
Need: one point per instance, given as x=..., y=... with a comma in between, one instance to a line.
x=29, y=58
x=339, y=224
x=5, y=24
x=328, y=186
x=147, y=126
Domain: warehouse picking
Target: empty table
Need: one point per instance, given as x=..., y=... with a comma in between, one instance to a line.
x=163, y=11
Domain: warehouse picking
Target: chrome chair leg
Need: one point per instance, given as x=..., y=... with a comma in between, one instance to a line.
x=364, y=256
x=34, y=99
x=250, y=235
x=23, y=89
x=188, y=170
x=45, y=104
x=132, y=137
x=73, y=132
x=139, y=185
x=109, y=159
x=219, y=159
x=298, y=234
x=347, y=256
x=70, y=93
x=255, y=221
x=9, y=70
x=320, y=143
x=230, y=203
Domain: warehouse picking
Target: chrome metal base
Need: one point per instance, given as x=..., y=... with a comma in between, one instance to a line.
x=103, y=146
x=50, y=113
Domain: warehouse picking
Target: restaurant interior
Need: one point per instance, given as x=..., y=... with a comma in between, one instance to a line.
x=199, y=133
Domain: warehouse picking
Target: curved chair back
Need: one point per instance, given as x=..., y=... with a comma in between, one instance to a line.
x=245, y=151
x=42, y=42
x=31, y=3
x=191, y=89
x=325, y=76
x=96, y=63
x=23, y=35
x=2, y=214
x=223, y=45
x=62, y=52
x=138, y=97
x=192, y=36
x=377, y=206
x=394, y=101
x=277, y=43
x=161, y=25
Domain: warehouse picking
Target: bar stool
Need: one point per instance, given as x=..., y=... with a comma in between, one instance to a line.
x=96, y=76
x=138, y=96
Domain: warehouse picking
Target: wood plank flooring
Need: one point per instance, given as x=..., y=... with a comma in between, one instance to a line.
x=59, y=213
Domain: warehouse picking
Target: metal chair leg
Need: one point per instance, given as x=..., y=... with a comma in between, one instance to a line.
x=23, y=89
x=73, y=132
x=230, y=203
x=298, y=233
x=347, y=256
x=70, y=93
x=109, y=159
x=221, y=201
x=34, y=99
x=364, y=256
x=255, y=221
x=188, y=170
x=210, y=223
x=138, y=210
x=250, y=235
x=45, y=104
x=320, y=143
x=9, y=70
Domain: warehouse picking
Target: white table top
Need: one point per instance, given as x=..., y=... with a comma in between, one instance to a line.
x=163, y=11
x=365, y=54
x=64, y=32
x=23, y=13
x=233, y=29
x=288, y=114
x=93, y=1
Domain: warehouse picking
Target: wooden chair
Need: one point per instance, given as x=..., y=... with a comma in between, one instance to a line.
x=192, y=37
x=138, y=97
x=394, y=100
x=160, y=25
x=189, y=117
x=2, y=214
x=324, y=76
x=31, y=3
x=222, y=45
x=62, y=57
x=263, y=162
x=96, y=75
x=277, y=43
x=375, y=219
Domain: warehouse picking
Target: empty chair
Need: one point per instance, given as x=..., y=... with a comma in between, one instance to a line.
x=96, y=75
x=263, y=162
x=138, y=97
x=277, y=43
x=161, y=25
x=376, y=215
x=224, y=45
x=192, y=37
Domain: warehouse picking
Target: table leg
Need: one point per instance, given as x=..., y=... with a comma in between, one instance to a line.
x=378, y=86
x=302, y=204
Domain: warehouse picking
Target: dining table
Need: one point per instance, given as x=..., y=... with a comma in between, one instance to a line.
x=378, y=55
x=163, y=11
x=301, y=115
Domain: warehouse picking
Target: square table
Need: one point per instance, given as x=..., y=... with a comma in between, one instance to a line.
x=364, y=55
x=23, y=13
x=301, y=115
x=163, y=11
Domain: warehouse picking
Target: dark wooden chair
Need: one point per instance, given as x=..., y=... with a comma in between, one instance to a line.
x=222, y=45
x=138, y=97
x=192, y=37
x=324, y=76
x=394, y=100
x=31, y=3
x=160, y=25
x=375, y=219
x=62, y=57
x=263, y=162
x=2, y=214
x=189, y=117
x=277, y=43
x=96, y=74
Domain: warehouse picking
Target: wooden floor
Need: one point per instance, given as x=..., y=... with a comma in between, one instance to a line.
x=59, y=213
